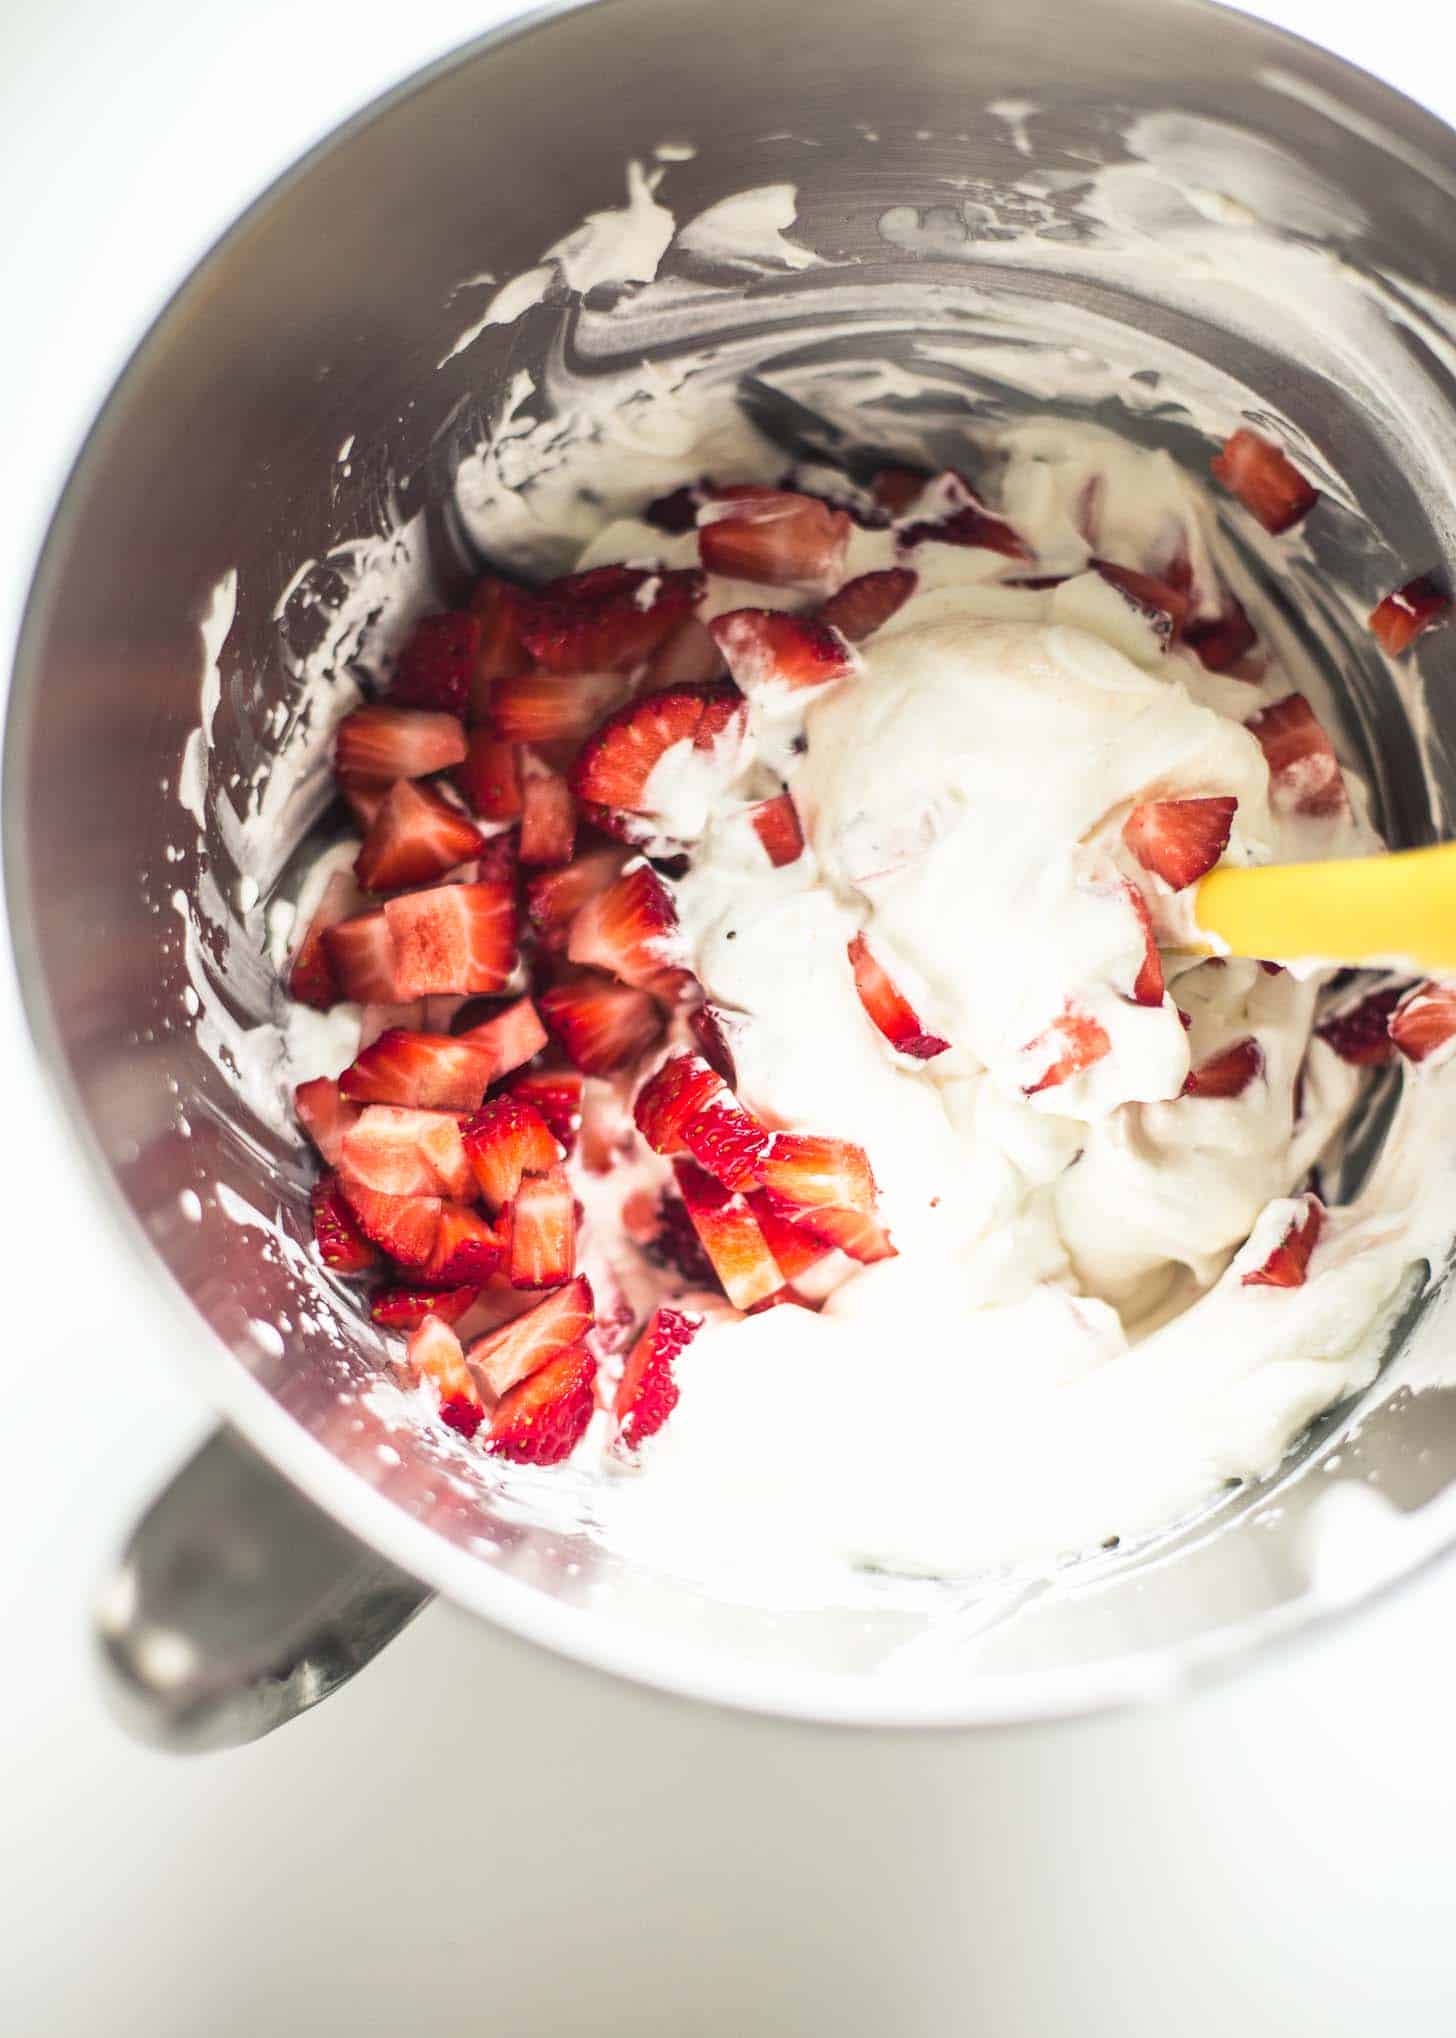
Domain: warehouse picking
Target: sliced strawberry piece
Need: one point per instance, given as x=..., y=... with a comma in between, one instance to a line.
x=490, y=777
x=405, y=1227
x=505, y=1141
x=510, y=1037
x=437, y=664
x=775, y=538
x=524, y=1344
x=325, y=1115
x=776, y=824
x=615, y=764
x=310, y=974
x=428, y=1071
x=1397, y=621
x=630, y=929
x=415, y=836
x=727, y=1140
x=1424, y=1020
x=398, y=1152
x=407, y=1308
x=862, y=605
x=434, y=1354
x=794, y=1248
x=1147, y=986
x=731, y=1236
x=804, y=1171
x=667, y=1100
x=548, y=817
x=647, y=1393
x=608, y=619
x=543, y=1230
x=552, y=707
x=466, y=1250
x=709, y=1028
x=973, y=524
x=455, y=938
x=1362, y=1035
x=554, y=898
x=501, y=650
x=770, y=652
x=341, y=1244
x=887, y=1009
x=851, y=1232
x=1264, y=479
x=542, y=1420
x=1165, y=606
x=379, y=745
x=1179, y=841
x=1304, y=772
x=556, y=1094
x=689, y=657
x=1220, y=642
x=602, y=1025
x=362, y=957
x=1287, y=1265
x=1227, y=1073
x=1073, y=1042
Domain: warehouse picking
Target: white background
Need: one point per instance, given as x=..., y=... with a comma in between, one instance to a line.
x=476, y=1836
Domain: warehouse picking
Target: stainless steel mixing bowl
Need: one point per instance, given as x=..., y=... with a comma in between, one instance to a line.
x=942, y=156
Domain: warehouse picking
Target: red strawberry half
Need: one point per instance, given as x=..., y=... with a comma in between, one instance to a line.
x=647, y=1393
x=459, y=938
x=505, y=1141
x=1303, y=769
x=776, y=824
x=1179, y=841
x=543, y=1230
x=668, y=1099
x=862, y=605
x=325, y=1115
x=437, y=664
x=405, y=1227
x=556, y=1095
x=769, y=652
x=407, y=1308
x=415, y=836
x=542, y=1420
x=551, y=707
x=1403, y=616
x=1287, y=1265
x=731, y=1236
x=399, y=1152
x=510, y=1037
x=555, y=897
x=1362, y=1033
x=804, y=1170
x=1264, y=479
x=1072, y=1043
x=775, y=538
x=602, y=1025
x=1424, y=1020
x=466, y=1250
x=362, y=958
x=380, y=745
x=310, y=974
x=434, y=1354
x=500, y=651
x=428, y=1071
x=891, y=1012
x=341, y=1244
x=1227, y=1073
x=527, y=1342
x=630, y=929
x=616, y=764
x=608, y=619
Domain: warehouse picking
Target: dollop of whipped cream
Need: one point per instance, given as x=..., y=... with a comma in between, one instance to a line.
x=1064, y=1352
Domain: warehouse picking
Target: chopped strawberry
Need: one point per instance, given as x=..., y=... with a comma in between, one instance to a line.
x=437, y=664
x=1362, y=1034
x=1227, y=1073
x=506, y=1140
x=804, y=1171
x=895, y=489
x=490, y=777
x=852, y=1232
x=551, y=707
x=500, y=651
x=774, y=538
x=1304, y=772
x=887, y=1009
x=416, y=836
x=428, y=1071
x=1397, y=621
x=510, y=1037
x=972, y=524
x=379, y=745
x=407, y=1308
x=727, y=1140
x=731, y=1237
x=341, y=1244
x=455, y=938
x=362, y=957
x=1220, y=642
x=776, y=824
x=864, y=604
x=555, y=897
x=608, y=619
x=769, y=651
x=1424, y=1020
x=434, y=1354
x=548, y=817
x=647, y=1393
x=400, y=1152
x=543, y=1230
x=668, y=1099
x=1073, y=1042
x=794, y=1248
x=616, y=764
x=630, y=929
x=1287, y=1265
x=556, y=1094
x=525, y=1343
x=709, y=1028
x=601, y=1024
x=405, y=1227
x=689, y=657
x=1147, y=986
x=1264, y=479
x=466, y=1250
x=1165, y=606
x=542, y=1420
x=1179, y=841
x=310, y=974
x=325, y=1115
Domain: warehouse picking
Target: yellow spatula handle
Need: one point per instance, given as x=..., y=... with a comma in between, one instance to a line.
x=1398, y=909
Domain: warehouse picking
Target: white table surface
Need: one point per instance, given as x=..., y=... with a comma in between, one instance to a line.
x=474, y=1835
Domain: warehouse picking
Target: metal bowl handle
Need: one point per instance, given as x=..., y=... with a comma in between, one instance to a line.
x=236, y=1605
